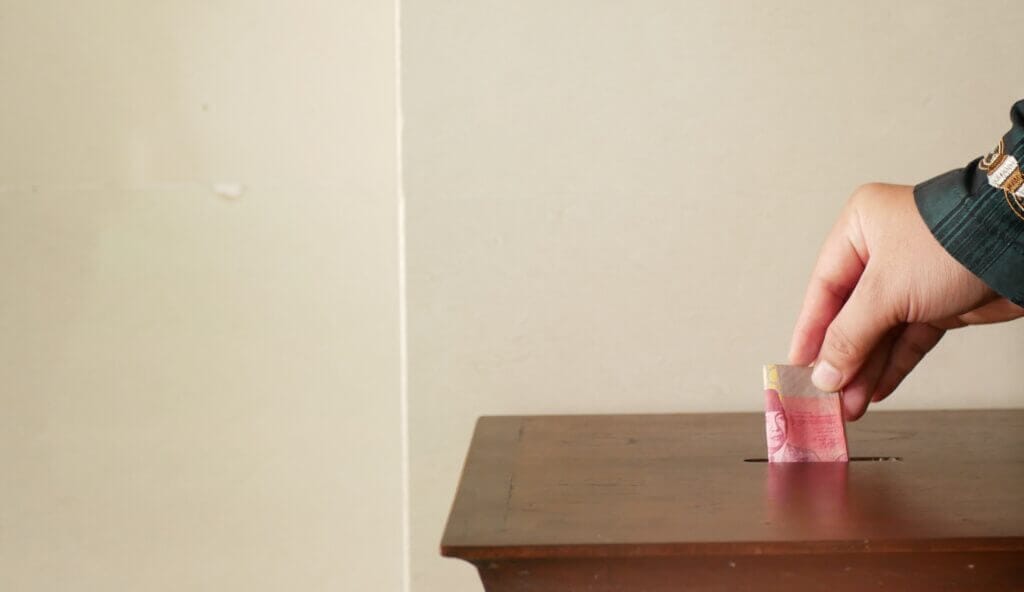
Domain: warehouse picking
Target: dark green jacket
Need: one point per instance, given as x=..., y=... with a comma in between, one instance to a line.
x=977, y=212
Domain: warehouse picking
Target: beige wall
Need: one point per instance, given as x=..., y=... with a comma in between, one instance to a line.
x=198, y=393
x=613, y=206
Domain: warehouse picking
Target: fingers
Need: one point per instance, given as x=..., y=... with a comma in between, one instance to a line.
x=858, y=328
x=835, y=274
x=858, y=393
x=907, y=351
x=996, y=311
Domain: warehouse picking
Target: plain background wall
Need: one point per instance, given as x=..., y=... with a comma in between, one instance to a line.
x=198, y=393
x=614, y=206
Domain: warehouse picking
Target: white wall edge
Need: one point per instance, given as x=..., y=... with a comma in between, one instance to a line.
x=403, y=332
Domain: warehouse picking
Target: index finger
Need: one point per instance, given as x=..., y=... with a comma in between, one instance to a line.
x=838, y=269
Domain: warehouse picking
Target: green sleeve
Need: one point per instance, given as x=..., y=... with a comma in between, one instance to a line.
x=977, y=212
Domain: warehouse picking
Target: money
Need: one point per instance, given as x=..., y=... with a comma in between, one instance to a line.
x=802, y=423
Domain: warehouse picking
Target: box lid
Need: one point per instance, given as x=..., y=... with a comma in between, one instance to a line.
x=616, y=485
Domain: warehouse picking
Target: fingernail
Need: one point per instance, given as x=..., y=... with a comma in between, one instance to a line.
x=826, y=377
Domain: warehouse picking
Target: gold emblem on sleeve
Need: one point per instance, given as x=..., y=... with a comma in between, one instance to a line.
x=1004, y=173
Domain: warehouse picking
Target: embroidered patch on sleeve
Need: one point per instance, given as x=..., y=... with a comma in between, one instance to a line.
x=1004, y=173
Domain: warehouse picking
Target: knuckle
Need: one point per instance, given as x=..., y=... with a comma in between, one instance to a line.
x=842, y=345
x=866, y=192
x=916, y=351
x=831, y=287
x=909, y=353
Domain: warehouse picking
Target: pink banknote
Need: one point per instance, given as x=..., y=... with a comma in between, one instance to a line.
x=802, y=423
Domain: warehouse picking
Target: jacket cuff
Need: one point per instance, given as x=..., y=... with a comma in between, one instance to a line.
x=978, y=224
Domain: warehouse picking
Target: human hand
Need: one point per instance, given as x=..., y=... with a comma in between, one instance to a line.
x=882, y=294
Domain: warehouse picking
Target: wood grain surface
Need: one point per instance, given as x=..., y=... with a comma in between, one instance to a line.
x=631, y=486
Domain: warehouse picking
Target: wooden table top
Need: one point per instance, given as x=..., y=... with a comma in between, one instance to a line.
x=655, y=485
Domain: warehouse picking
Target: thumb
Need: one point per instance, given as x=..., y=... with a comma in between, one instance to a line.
x=862, y=322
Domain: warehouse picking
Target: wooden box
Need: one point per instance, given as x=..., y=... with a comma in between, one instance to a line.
x=932, y=501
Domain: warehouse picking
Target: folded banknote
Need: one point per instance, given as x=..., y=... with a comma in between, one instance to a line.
x=802, y=423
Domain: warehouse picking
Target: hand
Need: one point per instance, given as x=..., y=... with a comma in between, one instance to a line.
x=882, y=294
